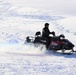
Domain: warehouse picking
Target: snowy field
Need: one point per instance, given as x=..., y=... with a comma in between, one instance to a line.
x=16, y=58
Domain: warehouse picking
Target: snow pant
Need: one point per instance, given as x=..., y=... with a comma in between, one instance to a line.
x=48, y=41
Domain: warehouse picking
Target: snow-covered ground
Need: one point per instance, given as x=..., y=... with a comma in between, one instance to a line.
x=16, y=58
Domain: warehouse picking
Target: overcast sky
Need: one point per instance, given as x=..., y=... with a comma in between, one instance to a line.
x=64, y=7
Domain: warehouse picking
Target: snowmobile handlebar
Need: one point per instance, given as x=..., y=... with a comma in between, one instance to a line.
x=53, y=33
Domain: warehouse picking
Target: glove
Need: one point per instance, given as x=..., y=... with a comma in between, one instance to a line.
x=53, y=33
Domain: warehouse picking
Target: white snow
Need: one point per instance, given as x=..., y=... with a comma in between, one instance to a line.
x=17, y=58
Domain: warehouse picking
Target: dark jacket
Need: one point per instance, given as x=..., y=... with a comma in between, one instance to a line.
x=46, y=32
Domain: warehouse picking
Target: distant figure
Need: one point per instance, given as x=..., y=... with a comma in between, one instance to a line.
x=45, y=34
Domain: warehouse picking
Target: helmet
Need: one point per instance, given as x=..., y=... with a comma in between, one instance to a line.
x=38, y=33
x=46, y=24
x=62, y=36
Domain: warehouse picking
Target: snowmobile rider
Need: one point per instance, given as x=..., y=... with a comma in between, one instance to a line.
x=46, y=31
x=45, y=34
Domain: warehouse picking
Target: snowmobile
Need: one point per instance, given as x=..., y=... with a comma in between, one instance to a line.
x=57, y=43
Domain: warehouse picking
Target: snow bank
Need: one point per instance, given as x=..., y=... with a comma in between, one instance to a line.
x=68, y=24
